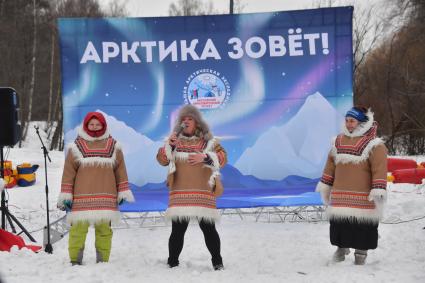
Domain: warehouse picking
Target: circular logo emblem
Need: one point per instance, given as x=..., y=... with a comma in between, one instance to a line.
x=206, y=89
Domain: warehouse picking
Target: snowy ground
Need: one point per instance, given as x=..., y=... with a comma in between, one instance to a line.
x=252, y=251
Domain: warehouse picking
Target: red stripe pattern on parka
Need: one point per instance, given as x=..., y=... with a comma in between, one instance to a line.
x=192, y=199
x=94, y=202
x=123, y=186
x=351, y=199
x=358, y=148
x=67, y=188
x=327, y=179
x=379, y=184
x=105, y=152
x=197, y=147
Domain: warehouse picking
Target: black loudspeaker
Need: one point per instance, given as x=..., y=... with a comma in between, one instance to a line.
x=10, y=127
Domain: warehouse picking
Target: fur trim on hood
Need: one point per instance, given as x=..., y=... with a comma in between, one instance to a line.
x=362, y=128
x=85, y=136
x=93, y=161
x=202, y=128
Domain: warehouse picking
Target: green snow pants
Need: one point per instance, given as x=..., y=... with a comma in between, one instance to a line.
x=77, y=239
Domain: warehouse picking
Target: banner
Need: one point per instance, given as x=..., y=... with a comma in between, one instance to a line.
x=272, y=86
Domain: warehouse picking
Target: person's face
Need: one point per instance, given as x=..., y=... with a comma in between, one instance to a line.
x=190, y=125
x=94, y=125
x=351, y=124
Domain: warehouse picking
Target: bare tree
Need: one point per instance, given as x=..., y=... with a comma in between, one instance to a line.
x=32, y=83
x=30, y=57
x=239, y=6
x=394, y=73
x=52, y=61
x=368, y=30
x=71, y=8
x=1, y=7
x=388, y=58
x=116, y=9
x=191, y=8
x=77, y=8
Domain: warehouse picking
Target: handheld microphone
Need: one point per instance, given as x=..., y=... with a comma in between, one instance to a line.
x=181, y=128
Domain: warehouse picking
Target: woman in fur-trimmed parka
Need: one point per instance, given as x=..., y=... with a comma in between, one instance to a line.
x=194, y=158
x=94, y=183
x=353, y=185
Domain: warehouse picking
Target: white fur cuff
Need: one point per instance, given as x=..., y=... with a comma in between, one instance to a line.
x=325, y=192
x=63, y=197
x=125, y=195
x=378, y=195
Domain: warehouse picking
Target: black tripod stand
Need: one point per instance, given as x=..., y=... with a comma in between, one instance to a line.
x=5, y=213
x=49, y=247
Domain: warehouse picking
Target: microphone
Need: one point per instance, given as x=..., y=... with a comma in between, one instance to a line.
x=181, y=128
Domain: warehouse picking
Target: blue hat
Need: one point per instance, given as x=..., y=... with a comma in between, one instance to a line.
x=357, y=114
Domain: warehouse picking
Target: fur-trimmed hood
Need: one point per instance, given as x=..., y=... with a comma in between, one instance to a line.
x=362, y=128
x=367, y=140
x=85, y=136
x=202, y=128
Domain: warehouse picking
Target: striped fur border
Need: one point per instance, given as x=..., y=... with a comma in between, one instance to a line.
x=93, y=161
x=341, y=158
x=196, y=213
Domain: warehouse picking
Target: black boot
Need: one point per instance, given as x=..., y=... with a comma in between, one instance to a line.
x=172, y=262
x=217, y=263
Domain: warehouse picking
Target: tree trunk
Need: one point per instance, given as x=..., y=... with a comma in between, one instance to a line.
x=1, y=7
x=57, y=139
x=52, y=60
x=31, y=90
x=389, y=98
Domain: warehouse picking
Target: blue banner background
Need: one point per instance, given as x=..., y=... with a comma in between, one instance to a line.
x=275, y=115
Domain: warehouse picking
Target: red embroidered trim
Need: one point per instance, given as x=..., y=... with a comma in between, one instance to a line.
x=192, y=199
x=351, y=199
x=123, y=186
x=379, y=184
x=358, y=148
x=105, y=152
x=94, y=202
x=327, y=179
x=67, y=188
x=198, y=147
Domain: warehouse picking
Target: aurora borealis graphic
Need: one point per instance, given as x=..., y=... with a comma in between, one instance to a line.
x=138, y=68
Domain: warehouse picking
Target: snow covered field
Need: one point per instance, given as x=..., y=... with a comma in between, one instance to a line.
x=252, y=251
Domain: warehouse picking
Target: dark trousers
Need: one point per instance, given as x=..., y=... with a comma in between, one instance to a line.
x=351, y=234
x=176, y=241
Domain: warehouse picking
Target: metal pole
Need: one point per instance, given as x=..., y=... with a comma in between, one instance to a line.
x=49, y=247
x=3, y=202
x=231, y=7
